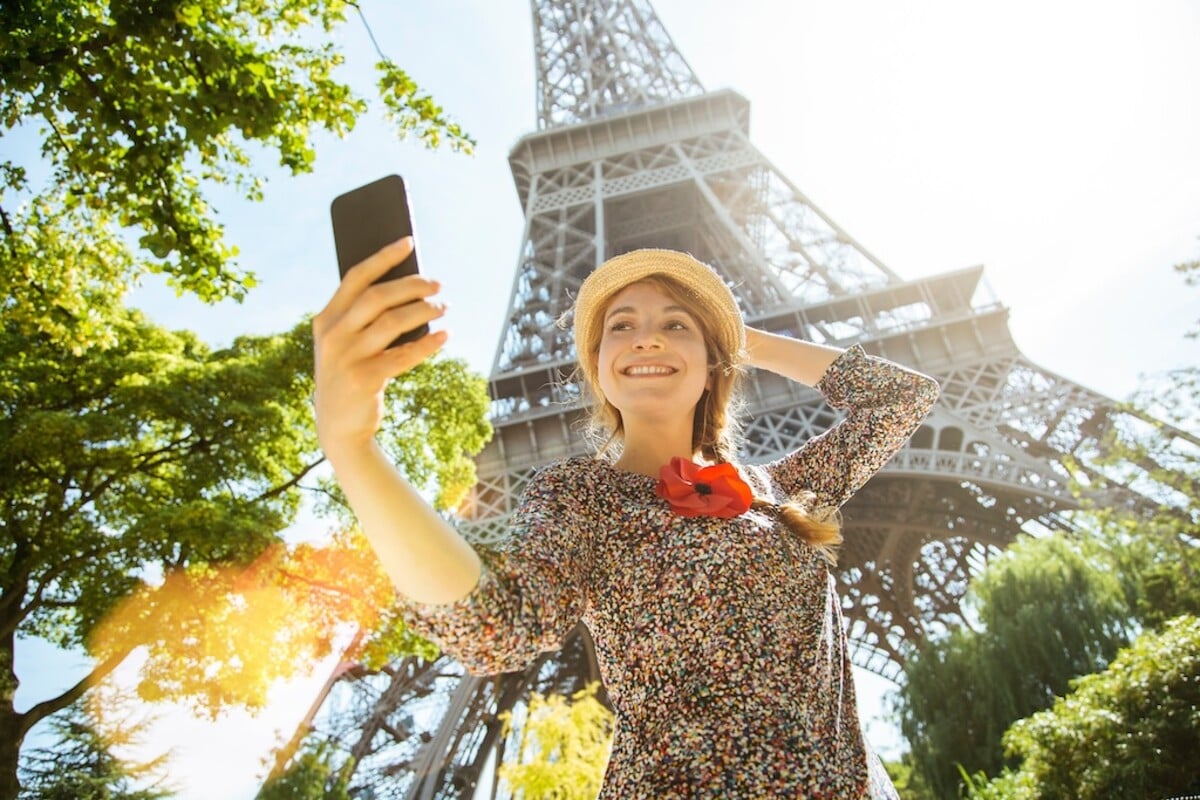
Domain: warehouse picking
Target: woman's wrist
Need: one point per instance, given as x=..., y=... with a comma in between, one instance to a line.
x=757, y=344
x=801, y=361
x=343, y=453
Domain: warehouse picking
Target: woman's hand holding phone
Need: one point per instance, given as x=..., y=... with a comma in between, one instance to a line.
x=351, y=342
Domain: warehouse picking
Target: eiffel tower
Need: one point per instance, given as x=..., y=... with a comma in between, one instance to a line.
x=631, y=152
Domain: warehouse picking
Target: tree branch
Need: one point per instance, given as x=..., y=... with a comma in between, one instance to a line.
x=50, y=58
x=334, y=589
x=8, y=233
x=57, y=603
x=15, y=587
x=130, y=129
x=9, y=625
x=57, y=133
x=49, y=298
x=278, y=490
x=332, y=497
x=139, y=463
x=47, y=707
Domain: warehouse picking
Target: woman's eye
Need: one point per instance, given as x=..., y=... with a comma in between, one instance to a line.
x=619, y=326
x=676, y=325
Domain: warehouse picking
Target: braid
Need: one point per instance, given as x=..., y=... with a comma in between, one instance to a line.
x=715, y=435
x=823, y=533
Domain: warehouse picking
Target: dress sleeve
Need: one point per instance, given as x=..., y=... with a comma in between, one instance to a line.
x=531, y=593
x=886, y=403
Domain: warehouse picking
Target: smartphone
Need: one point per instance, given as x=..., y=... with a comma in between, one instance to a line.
x=369, y=217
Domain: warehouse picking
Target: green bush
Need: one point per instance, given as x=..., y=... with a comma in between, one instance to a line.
x=1132, y=730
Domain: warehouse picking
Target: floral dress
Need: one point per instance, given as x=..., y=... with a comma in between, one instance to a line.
x=720, y=641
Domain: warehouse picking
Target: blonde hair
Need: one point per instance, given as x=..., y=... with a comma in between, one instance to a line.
x=716, y=431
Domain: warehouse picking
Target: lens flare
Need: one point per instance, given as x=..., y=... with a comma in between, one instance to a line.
x=217, y=636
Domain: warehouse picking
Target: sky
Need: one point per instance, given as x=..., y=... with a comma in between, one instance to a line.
x=1052, y=142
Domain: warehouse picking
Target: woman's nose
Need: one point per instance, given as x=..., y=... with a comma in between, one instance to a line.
x=648, y=340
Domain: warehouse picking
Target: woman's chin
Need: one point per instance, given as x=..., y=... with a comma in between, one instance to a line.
x=654, y=409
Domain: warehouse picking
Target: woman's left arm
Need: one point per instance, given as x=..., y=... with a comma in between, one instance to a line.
x=885, y=403
x=804, y=362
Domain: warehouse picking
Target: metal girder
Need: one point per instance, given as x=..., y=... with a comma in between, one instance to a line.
x=595, y=59
x=425, y=730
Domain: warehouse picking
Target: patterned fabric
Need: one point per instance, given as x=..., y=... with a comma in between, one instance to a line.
x=720, y=641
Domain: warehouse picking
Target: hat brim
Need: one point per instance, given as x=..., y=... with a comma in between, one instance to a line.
x=705, y=287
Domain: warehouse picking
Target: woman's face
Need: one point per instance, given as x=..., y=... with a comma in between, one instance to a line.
x=652, y=360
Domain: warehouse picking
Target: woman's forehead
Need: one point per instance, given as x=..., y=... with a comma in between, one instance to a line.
x=644, y=293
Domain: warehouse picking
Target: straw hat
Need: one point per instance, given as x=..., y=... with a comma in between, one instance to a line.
x=705, y=287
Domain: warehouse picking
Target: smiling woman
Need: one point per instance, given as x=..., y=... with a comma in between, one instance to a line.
x=706, y=584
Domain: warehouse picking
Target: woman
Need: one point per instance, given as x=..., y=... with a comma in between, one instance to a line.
x=706, y=585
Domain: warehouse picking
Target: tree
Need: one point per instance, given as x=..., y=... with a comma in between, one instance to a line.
x=907, y=779
x=145, y=103
x=133, y=460
x=81, y=765
x=1132, y=730
x=311, y=776
x=157, y=456
x=1155, y=558
x=1157, y=554
x=1046, y=615
x=564, y=747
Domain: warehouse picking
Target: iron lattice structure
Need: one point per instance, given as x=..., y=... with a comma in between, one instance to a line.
x=632, y=152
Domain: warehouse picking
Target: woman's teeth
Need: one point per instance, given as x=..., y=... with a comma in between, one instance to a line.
x=649, y=370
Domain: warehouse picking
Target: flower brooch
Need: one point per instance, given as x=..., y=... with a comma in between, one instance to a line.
x=695, y=491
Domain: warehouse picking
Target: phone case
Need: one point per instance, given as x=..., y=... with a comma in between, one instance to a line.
x=368, y=218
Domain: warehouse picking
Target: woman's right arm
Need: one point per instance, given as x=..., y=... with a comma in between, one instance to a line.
x=427, y=560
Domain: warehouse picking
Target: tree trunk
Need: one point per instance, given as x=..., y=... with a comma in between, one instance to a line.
x=11, y=737
x=12, y=724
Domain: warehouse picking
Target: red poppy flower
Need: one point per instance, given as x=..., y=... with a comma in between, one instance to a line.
x=695, y=491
